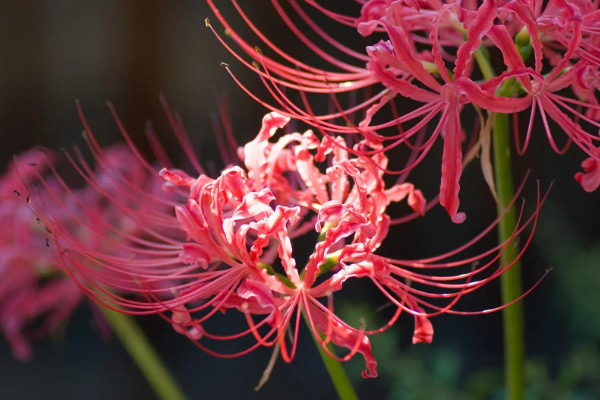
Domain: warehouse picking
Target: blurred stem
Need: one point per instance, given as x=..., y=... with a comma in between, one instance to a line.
x=338, y=376
x=143, y=354
x=510, y=281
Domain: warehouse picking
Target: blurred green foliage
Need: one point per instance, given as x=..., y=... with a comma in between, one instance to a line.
x=570, y=297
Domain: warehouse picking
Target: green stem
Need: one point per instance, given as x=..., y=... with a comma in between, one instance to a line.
x=510, y=280
x=143, y=354
x=338, y=376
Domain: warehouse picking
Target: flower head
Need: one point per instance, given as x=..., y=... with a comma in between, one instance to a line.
x=229, y=244
x=37, y=297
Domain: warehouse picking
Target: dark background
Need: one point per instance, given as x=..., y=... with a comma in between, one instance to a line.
x=130, y=52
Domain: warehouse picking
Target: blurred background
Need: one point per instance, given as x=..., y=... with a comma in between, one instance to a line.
x=131, y=52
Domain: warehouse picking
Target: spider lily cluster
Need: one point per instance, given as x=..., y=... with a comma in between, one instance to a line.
x=437, y=54
x=143, y=239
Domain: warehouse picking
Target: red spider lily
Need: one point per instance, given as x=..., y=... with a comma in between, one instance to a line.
x=31, y=285
x=37, y=297
x=429, y=58
x=228, y=247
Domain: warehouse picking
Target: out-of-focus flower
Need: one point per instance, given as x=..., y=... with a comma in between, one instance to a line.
x=36, y=296
x=435, y=54
x=230, y=244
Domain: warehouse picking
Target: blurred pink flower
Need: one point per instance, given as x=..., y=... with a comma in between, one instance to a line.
x=37, y=297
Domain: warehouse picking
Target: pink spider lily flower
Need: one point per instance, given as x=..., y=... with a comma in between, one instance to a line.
x=558, y=29
x=233, y=233
x=32, y=285
x=228, y=245
x=557, y=38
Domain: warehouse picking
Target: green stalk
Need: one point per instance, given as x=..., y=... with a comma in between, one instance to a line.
x=510, y=281
x=143, y=354
x=336, y=372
